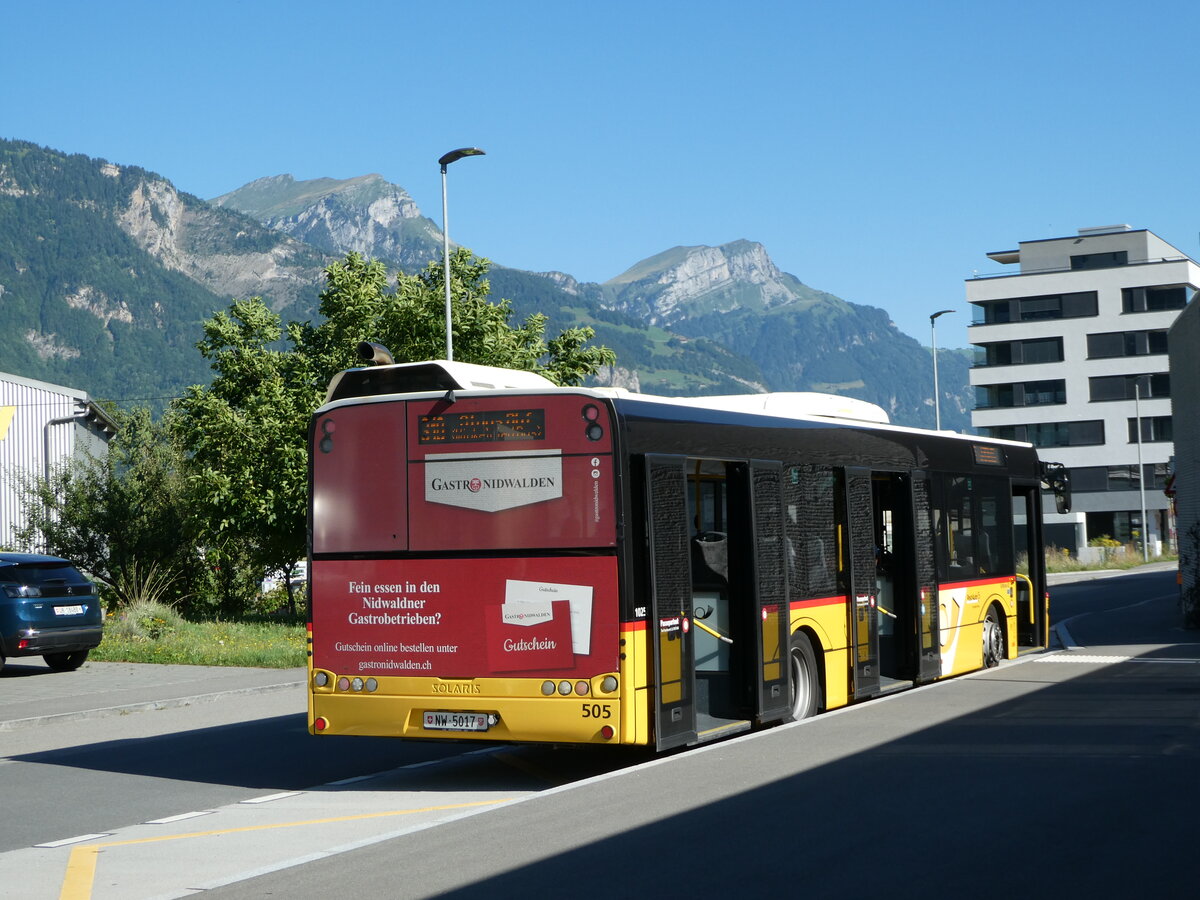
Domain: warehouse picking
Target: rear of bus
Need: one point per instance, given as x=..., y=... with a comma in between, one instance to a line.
x=463, y=567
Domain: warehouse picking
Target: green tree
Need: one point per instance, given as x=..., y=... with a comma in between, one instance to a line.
x=123, y=517
x=410, y=320
x=246, y=432
x=245, y=437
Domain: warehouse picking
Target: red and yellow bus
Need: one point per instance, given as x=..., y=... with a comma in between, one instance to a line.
x=495, y=558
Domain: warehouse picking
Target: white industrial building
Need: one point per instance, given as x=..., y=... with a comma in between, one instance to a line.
x=41, y=426
x=1071, y=355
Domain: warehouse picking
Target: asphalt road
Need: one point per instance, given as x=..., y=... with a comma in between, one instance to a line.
x=1068, y=774
x=1062, y=774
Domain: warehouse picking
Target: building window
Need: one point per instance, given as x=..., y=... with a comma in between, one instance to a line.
x=1015, y=353
x=1032, y=309
x=1100, y=260
x=1094, y=479
x=1123, y=387
x=1027, y=393
x=1153, y=299
x=1126, y=343
x=1053, y=434
x=1154, y=428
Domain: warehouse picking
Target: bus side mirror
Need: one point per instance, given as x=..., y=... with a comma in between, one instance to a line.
x=1057, y=479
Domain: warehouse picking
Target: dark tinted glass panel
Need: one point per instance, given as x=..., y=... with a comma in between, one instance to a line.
x=1034, y=308
x=1100, y=260
x=1039, y=393
x=1153, y=299
x=1089, y=478
x=1154, y=428
x=1080, y=304
x=1039, y=351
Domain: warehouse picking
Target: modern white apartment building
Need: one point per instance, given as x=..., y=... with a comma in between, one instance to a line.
x=1071, y=354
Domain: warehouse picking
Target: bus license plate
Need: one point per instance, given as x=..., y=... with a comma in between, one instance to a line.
x=452, y=721
x=68, y=610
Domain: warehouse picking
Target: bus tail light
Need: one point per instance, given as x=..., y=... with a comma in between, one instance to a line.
x=321, y=679
x=548, y=688
x=320, y=723
x=582, y=688
x=607, y=732
x=609, y=684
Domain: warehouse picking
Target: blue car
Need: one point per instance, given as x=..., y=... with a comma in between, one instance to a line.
x=47, y=609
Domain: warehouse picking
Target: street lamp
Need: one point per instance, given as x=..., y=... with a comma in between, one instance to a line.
x=1137, y=413
x=937, y=406
x=452, y=156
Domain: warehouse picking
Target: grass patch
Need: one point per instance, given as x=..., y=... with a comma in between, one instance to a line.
x=1059, y=560
x=155, y=633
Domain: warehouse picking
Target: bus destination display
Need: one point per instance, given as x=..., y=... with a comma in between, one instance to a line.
x=481, y=427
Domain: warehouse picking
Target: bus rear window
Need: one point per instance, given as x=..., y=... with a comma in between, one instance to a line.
x=488, y=473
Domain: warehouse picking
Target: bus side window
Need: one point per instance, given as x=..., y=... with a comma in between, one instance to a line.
x=815, y=514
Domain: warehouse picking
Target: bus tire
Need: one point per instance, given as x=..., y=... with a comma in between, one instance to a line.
x=804, y=680
x=993, y=639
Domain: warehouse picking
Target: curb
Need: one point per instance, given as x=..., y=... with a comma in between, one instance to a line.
x=122, y=709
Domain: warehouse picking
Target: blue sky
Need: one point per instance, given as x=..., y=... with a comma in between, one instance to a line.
x=877, y=150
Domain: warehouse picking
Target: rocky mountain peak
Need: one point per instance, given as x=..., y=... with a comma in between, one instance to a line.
x=685, y=281
x=366, y=215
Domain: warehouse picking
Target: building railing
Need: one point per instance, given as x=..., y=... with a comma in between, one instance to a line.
x=1133, y=262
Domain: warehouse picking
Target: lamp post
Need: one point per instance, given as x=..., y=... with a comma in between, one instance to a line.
x=452, y=156
x=1137, y=413
x=937, y=405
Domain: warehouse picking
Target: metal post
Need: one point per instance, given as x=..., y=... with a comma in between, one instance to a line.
x=937, y=400
x=1137, y=412
x=452, y=156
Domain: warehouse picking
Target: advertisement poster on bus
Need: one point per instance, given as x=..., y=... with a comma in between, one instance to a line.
x=466, y=618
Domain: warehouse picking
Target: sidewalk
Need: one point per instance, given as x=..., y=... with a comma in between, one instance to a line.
x=30, y=693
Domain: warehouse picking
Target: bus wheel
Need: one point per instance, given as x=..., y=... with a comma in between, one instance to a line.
x=993, y=639
x=805, y=683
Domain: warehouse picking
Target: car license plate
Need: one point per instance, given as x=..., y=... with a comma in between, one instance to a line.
x=68, y=610
x=452, y=721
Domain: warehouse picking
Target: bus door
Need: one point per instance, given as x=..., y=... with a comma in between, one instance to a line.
x=756, y=518
x=668, y=628
x=929, y=658
x=1033, y=614
x=864, y=625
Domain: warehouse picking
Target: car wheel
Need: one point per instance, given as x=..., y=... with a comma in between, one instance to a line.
x=66, y=662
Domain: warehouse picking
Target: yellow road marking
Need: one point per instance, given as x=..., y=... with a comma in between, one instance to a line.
x=81, y=866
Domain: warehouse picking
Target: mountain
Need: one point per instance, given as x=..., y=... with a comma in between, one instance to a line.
x=365, y=214
x=107, y=271
x=800, y=338
x=690, y=320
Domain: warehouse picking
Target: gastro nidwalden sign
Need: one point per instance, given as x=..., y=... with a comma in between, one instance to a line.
x=493, y=482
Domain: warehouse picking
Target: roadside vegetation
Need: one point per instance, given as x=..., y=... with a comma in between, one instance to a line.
x=188, y=512
x=150, y=632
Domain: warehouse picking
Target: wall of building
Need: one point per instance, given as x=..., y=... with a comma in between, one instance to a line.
x=41, y=425
x=1185, y=388
x=1045, y=271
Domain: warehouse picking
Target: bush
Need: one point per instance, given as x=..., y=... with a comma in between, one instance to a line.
x=142, y=620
